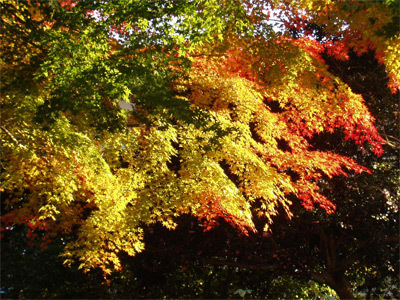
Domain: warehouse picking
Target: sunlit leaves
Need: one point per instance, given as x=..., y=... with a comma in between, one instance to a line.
x=222, y=114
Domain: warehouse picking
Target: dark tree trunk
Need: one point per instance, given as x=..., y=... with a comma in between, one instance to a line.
x=333, y=276
x=337, y=281
x=342, y=287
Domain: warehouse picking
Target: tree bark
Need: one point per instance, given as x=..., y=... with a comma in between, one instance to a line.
x=338, y=282
x=334, y=275
x=342, y=287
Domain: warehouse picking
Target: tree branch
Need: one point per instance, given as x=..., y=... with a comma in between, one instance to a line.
x=323, y=278
x=391, y=140
x=12, y=137
x=213, y=261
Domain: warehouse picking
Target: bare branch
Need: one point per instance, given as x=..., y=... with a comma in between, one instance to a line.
x=10, y=135
x=213, y=261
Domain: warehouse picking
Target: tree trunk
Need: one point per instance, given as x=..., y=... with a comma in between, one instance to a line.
x=337, y=281
x=342, y=287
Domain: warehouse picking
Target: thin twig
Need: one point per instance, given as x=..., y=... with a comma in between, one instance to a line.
x=12, y=137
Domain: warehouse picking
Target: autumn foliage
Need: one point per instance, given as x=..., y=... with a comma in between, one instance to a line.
x=220, y=125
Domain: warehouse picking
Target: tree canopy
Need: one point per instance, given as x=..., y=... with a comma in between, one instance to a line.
x=222, y=110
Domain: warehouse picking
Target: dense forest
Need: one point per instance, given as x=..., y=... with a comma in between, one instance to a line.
x=200, y=149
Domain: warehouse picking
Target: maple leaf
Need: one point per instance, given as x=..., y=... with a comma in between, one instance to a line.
x=223, y=110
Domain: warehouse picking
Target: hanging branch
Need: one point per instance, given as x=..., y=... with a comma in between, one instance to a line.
x=12, y=137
